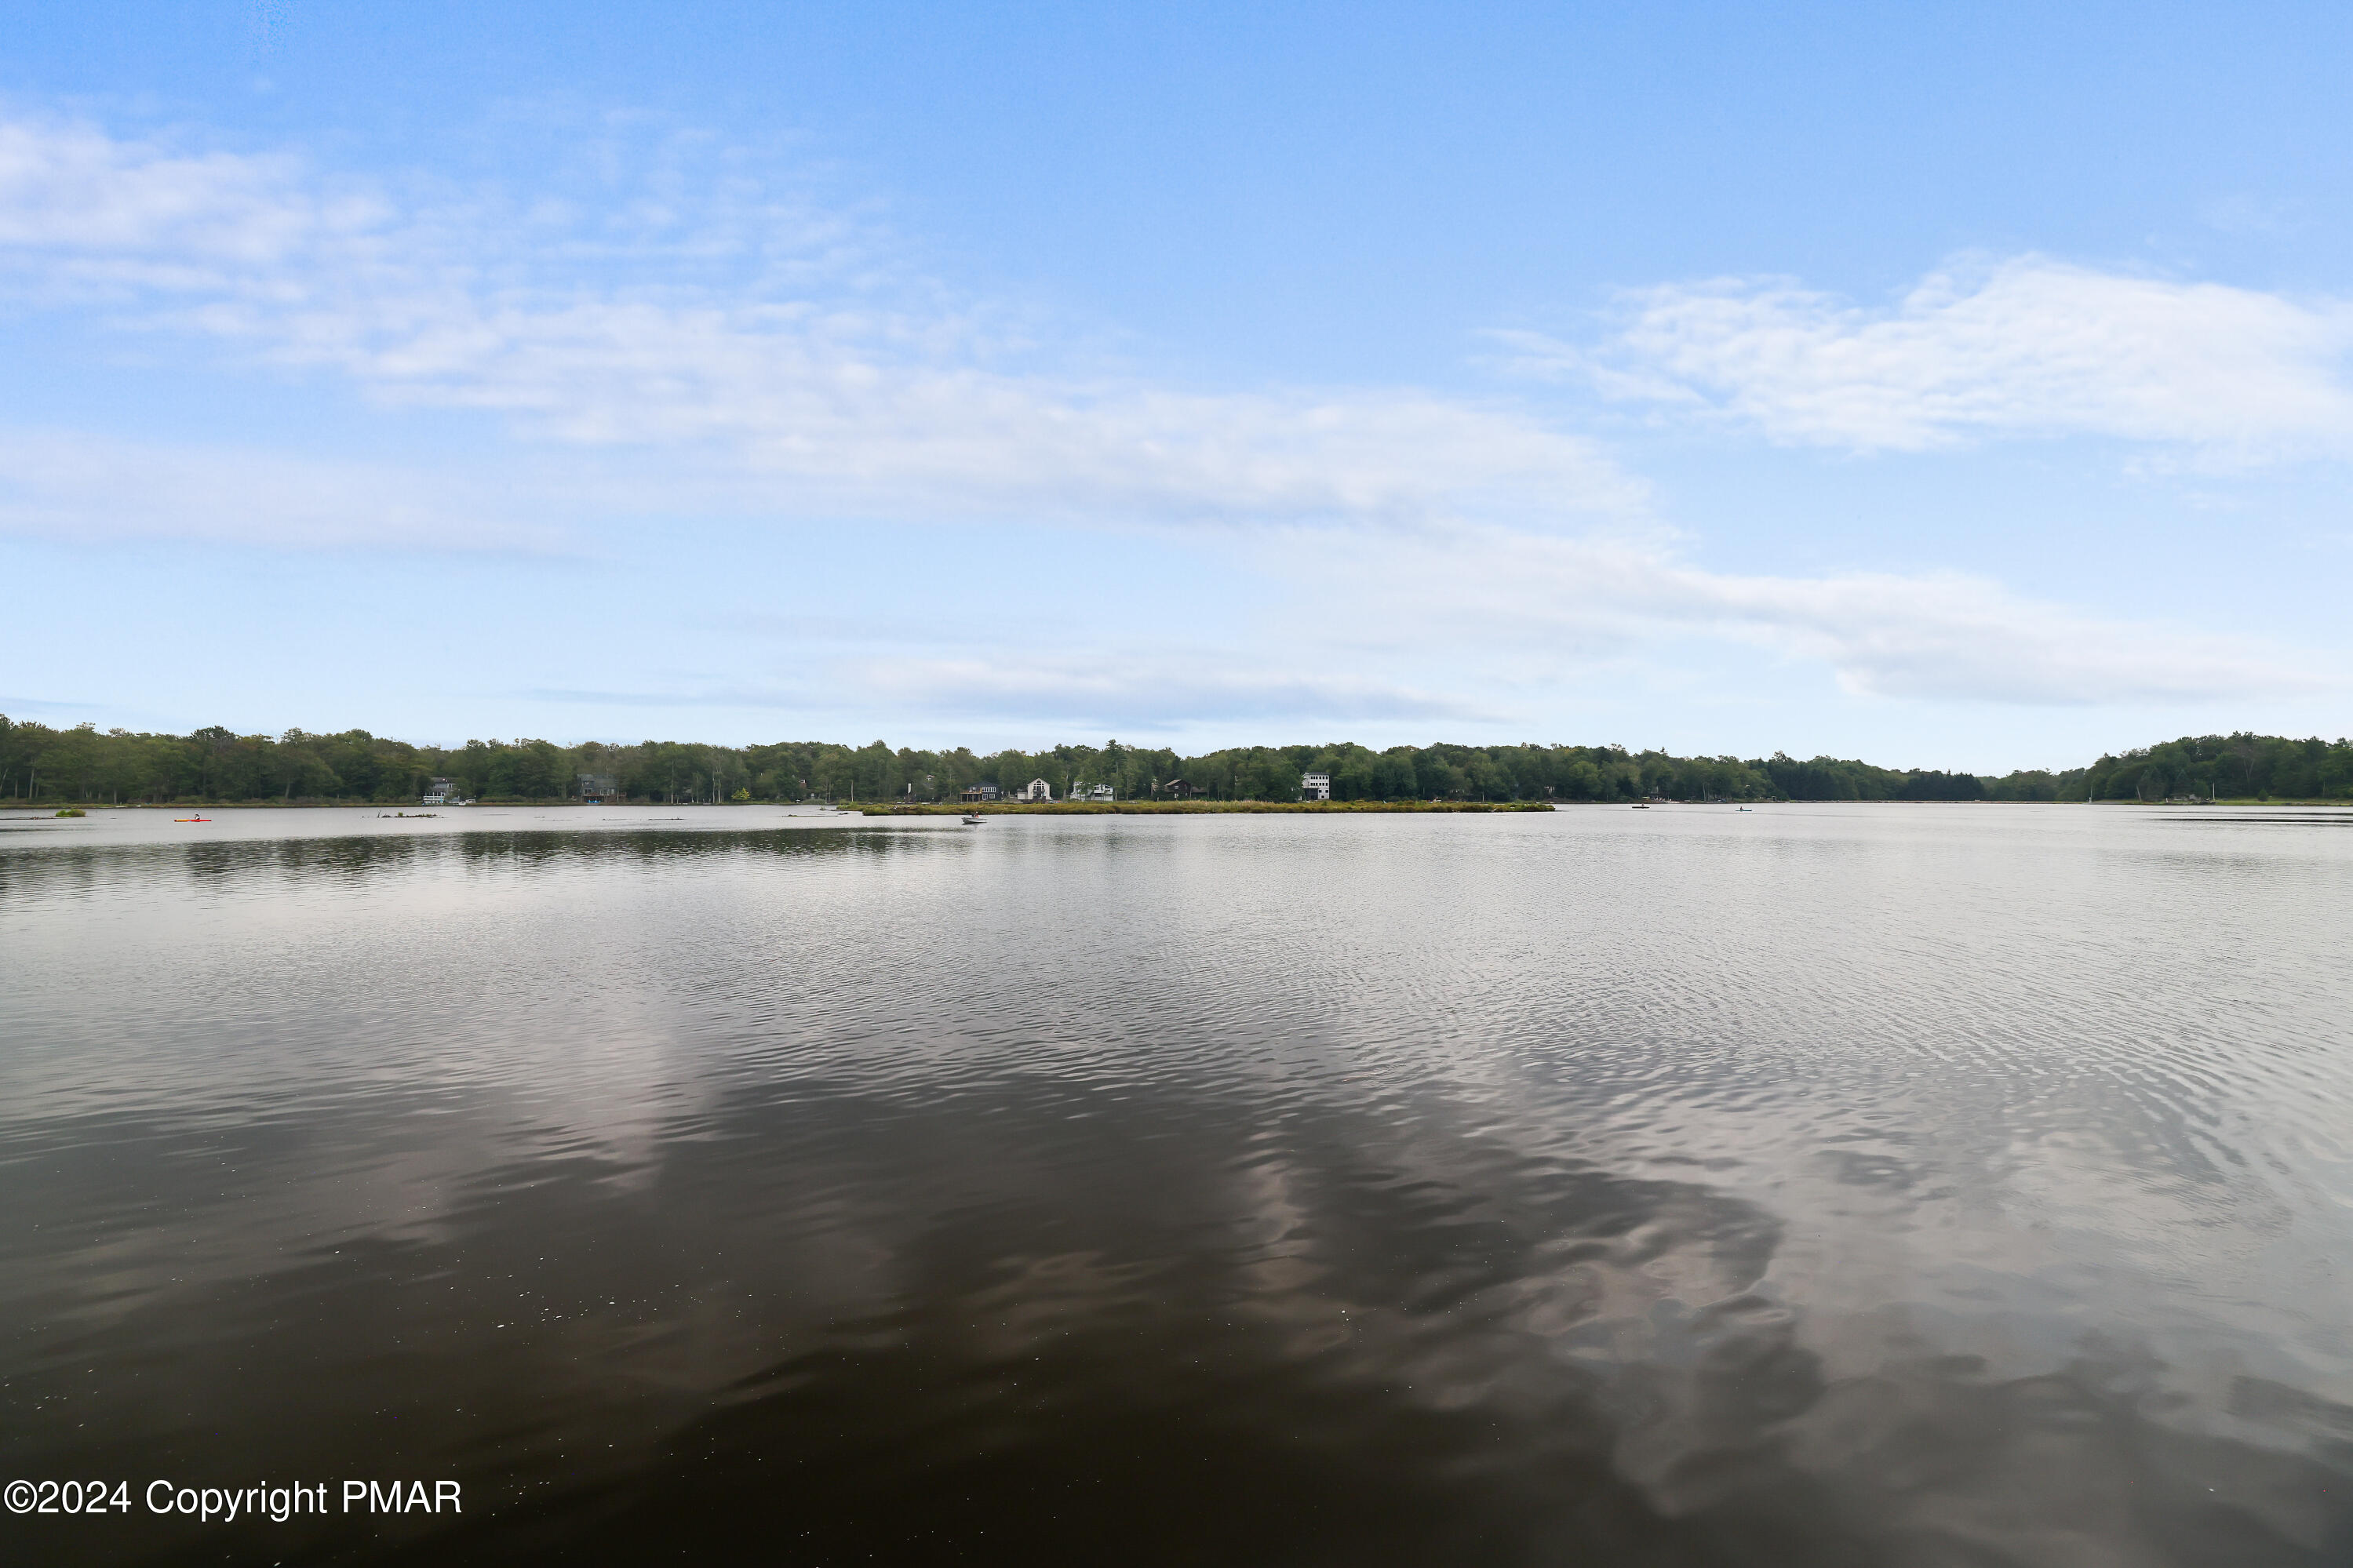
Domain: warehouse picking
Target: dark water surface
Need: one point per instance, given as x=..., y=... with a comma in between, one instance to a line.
x=1821, y=1184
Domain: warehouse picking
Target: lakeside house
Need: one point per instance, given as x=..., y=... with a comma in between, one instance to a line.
x=1178, y=789
x=599, y=789
x=1039, y=790
x=1315, y=787
x=979, y=793
x=438, y=792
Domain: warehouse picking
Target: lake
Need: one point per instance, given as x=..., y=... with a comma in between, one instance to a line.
x=1816, y=1185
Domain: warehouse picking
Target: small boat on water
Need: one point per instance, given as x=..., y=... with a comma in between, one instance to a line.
x=1641, y=808
x=972, y=819
x=191, y=819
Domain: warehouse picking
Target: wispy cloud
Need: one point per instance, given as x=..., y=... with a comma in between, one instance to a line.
x=70, y=485
x=1109, y=690
x=1400, y=635
x=126, y=214
x=757, y=337
x=1943, y=635
x=1164, y=694
x=2025, y=347
x=700, y=330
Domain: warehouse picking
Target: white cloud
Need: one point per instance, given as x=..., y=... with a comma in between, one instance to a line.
x=821, y=420
x=708, y=341
x=71, y=190
x=1395, y=637
x=1113, y=690
x=70, y=485
x=1162, y=694
x=2027, y=347
x=758, y=337
x=1944, y=636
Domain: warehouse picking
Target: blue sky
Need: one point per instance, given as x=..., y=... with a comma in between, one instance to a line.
x=1959, y=387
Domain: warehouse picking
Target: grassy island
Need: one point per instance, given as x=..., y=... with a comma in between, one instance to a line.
x=1183, y=808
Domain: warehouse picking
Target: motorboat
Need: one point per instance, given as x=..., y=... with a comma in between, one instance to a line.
x=972, y=819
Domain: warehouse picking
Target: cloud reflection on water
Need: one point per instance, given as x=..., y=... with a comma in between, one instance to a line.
x=1826, y=1187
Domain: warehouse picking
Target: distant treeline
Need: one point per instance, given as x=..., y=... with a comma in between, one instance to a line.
x=39, y=764
x=2241, y=766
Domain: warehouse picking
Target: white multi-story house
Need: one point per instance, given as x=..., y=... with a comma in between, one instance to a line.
x=438, y=791
x=1315, y=787
x=1039, y=790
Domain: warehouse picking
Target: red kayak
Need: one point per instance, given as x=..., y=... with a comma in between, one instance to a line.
x=191, y=819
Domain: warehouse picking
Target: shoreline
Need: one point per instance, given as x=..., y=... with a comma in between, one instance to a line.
x=1084, y=808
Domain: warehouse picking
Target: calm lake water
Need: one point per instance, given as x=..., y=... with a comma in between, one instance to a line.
x=1922, y=1186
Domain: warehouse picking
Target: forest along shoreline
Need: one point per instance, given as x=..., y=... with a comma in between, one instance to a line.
x=82, y=765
